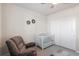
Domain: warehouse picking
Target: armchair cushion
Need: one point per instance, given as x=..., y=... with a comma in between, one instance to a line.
x=12, y=47
x=18, y=40
x=29, y=53
x=31, y=44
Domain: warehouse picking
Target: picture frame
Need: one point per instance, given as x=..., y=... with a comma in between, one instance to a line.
x=33, y=21
x=28, y=22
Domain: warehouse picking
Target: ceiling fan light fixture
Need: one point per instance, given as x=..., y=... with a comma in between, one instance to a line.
x=54, y=3
x=50, y=4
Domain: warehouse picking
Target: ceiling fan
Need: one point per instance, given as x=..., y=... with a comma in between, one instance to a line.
x=51, y=4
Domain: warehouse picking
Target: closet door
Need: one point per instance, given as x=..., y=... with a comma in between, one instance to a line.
x=68, y=34
x=64, y=31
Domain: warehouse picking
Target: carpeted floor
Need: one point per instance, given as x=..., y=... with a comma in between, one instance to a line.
x=54, y=50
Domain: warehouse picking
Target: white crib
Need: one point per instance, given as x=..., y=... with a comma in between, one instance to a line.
x=44, y=40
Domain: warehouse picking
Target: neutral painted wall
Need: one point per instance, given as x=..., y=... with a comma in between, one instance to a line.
x=77, y=31
x=14, y=23
x=63, y=26
x=0, y=23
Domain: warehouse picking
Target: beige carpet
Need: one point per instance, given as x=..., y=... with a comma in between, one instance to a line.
x=56, y=51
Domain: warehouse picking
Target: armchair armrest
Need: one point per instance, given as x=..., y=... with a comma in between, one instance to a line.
x=32, y=44
x=29, y=53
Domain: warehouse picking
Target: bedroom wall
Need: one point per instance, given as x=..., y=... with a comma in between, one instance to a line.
x=0, y=23
x=77, y=31
x=63, y=25
x=14, y=23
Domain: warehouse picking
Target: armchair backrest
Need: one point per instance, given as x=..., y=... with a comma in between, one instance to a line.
x=15, y=44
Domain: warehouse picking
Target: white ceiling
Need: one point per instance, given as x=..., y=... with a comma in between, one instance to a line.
x=46, y=8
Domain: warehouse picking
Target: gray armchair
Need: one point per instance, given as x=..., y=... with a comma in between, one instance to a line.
x=17, y=47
